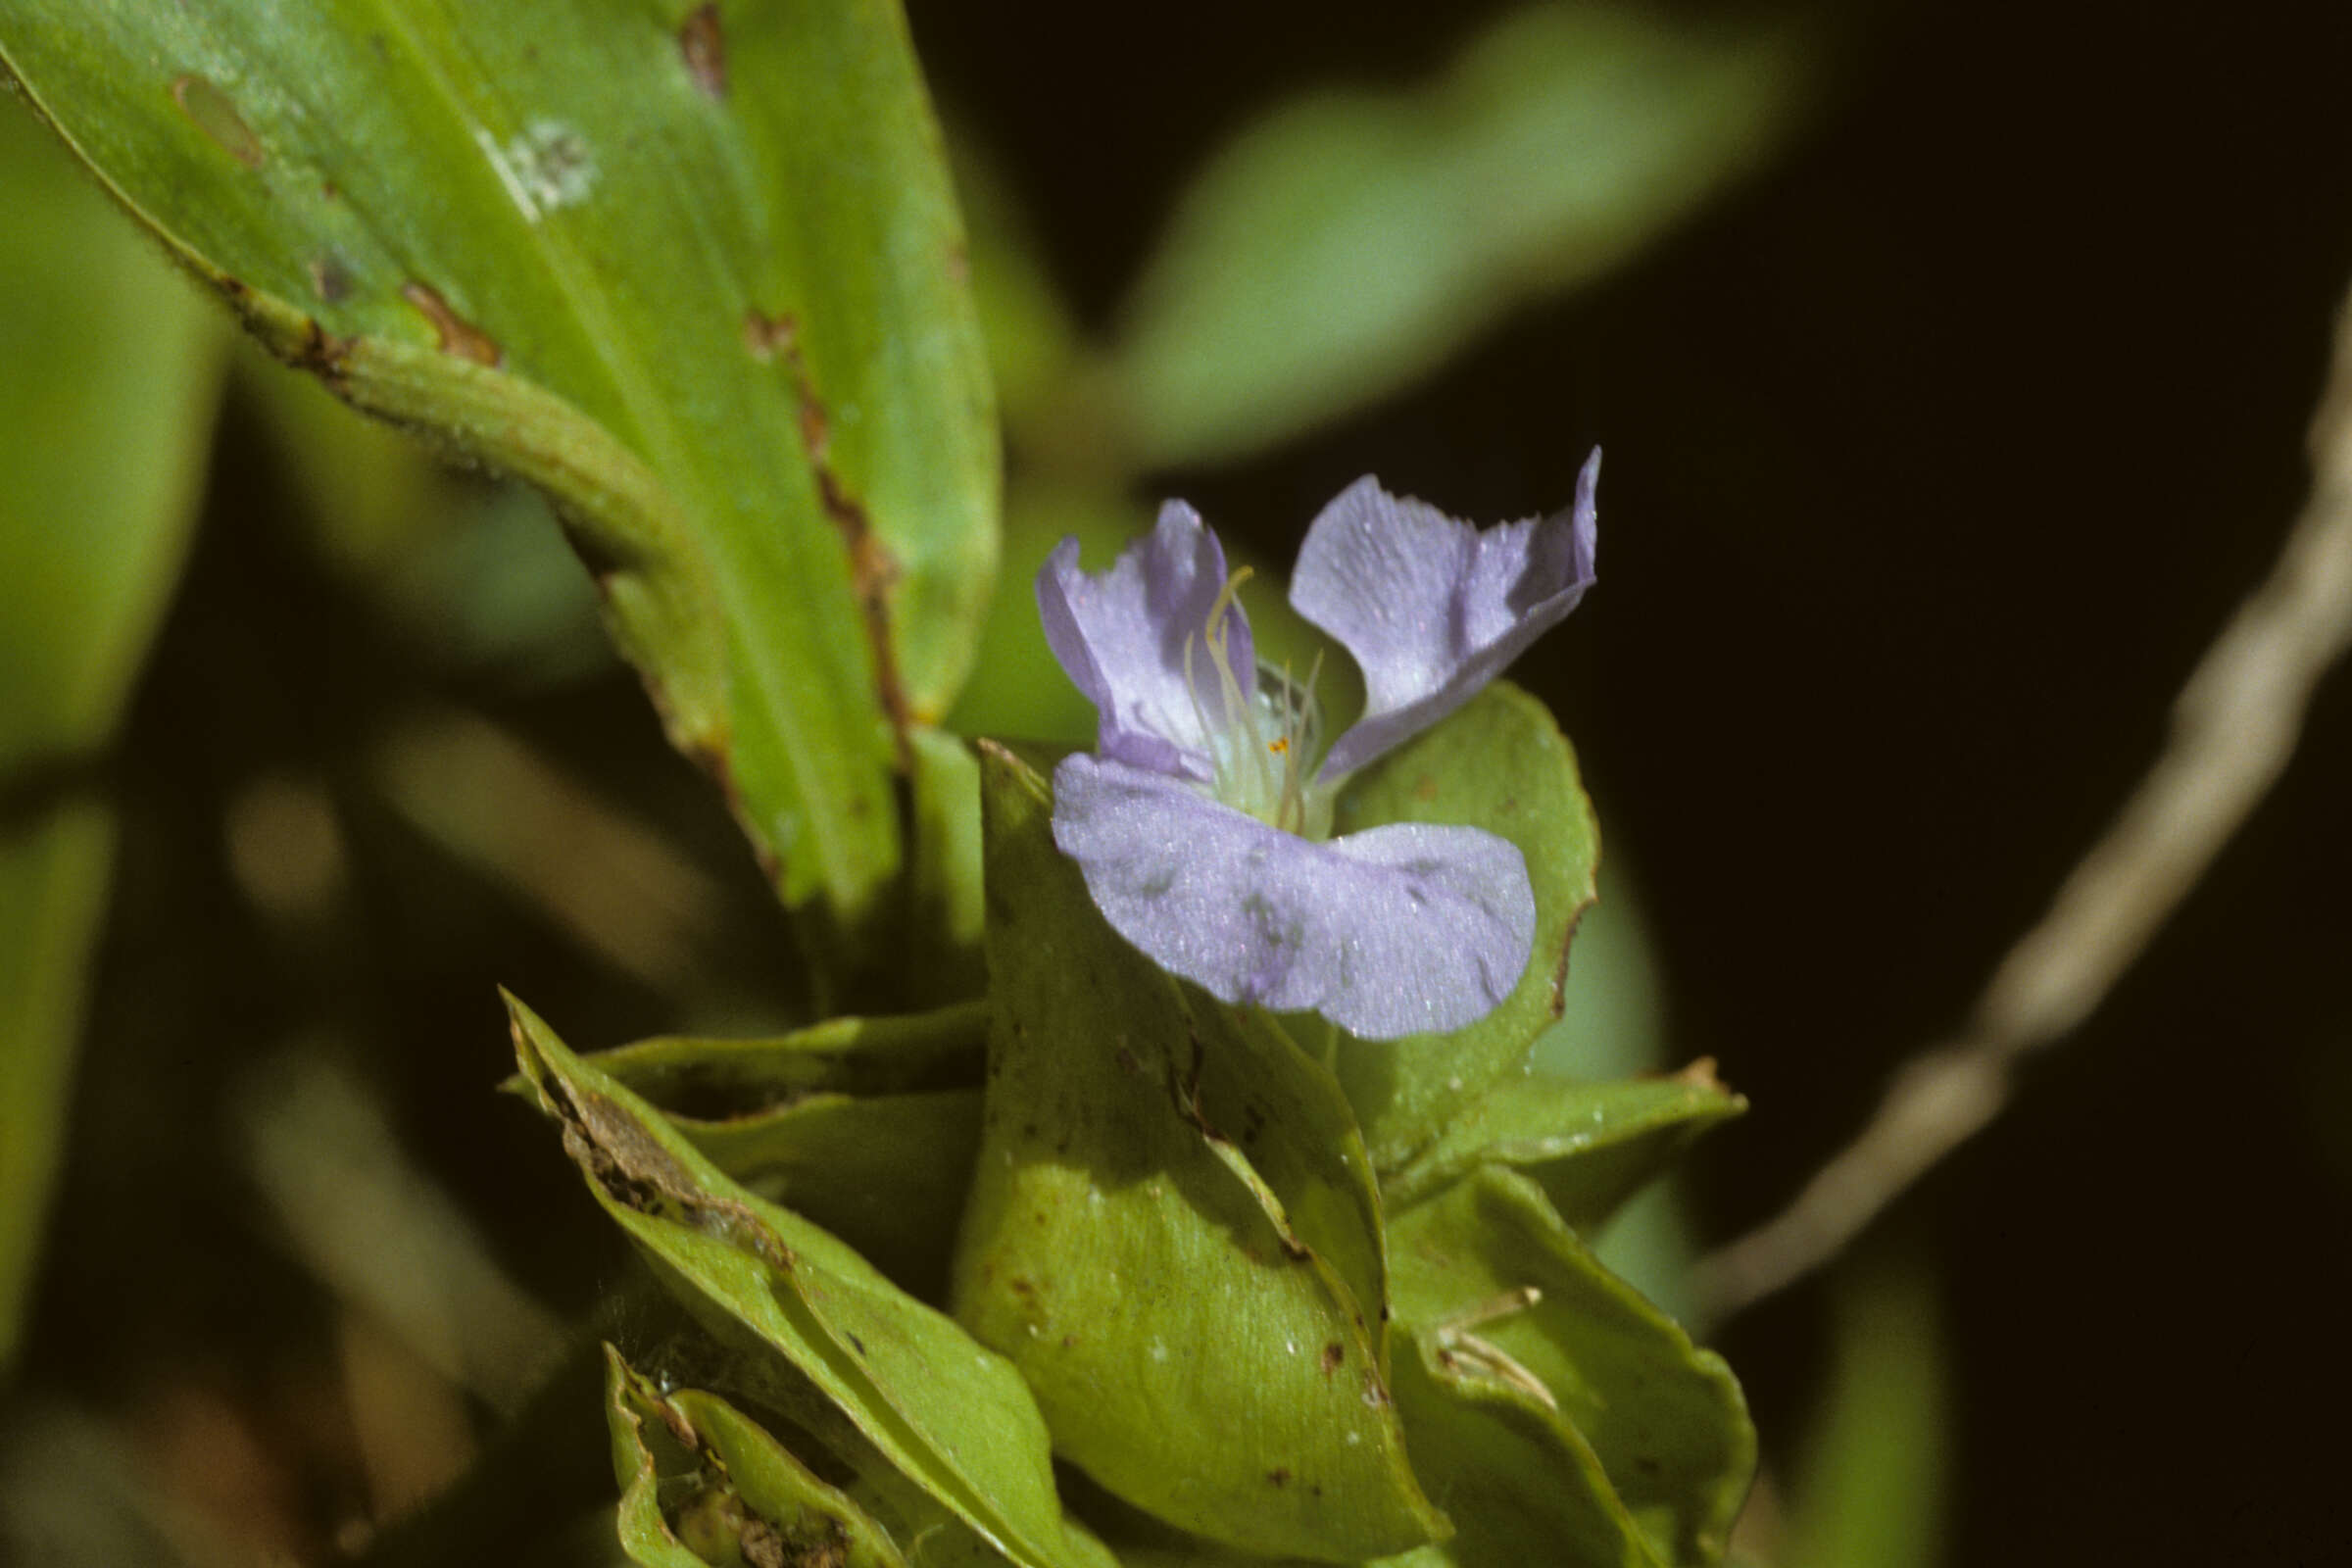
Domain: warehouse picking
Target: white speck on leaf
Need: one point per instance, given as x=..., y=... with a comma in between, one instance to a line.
x=549, y=166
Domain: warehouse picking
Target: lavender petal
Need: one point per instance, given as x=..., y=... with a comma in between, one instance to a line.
x=1431, y=608
x=1121, y=637
x=1393, y=931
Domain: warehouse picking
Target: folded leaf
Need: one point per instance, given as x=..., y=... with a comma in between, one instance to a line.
x=1587, y=1366
x=927, y=1417
x=1173, y=1231
x=701, y=1484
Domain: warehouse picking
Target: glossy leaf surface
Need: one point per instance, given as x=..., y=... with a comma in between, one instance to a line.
x=893, y=1387
x=1588, y=1366
x=1173, y=1231
x=694, y=269
x=1501, y=765
x=1591, y=1145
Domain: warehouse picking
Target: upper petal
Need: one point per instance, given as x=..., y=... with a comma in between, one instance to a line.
x=1431, y=608
x=1387, y=932
x=1121, y=636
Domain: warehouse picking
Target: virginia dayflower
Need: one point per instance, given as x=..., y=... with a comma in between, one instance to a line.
x=1201, y=821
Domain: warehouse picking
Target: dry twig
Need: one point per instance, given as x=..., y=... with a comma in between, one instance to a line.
x=2234, y=726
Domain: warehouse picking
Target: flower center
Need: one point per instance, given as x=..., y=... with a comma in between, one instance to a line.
x=1264, y=743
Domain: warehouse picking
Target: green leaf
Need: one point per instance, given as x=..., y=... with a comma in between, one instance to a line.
x=695, y=269
x=1173, y=1231
x=1591, y=1145
x=1499, y=763
x=929, y=1419
x=1869, y=1483
x=887, y=1175
x=112, y=374
x=1348, y=242
x=701, y=1482
x=698, y=1075
x=1664, y=1419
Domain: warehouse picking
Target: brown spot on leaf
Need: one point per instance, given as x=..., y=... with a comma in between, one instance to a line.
x=1279, y=1476
x=1425, y=788
x=328, y=280
x=633, y=1169
x=764, y=336
x=218, y=117
x=874, y=570
x=319, y=352
x=1333, y=1354
x=456, y=336
x=702, y=45
x=1700, y=1074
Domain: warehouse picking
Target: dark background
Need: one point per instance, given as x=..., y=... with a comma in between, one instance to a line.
x=1936, y=456
x=1938, y=452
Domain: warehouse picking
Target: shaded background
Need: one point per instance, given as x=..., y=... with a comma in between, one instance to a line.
x=1938, y=446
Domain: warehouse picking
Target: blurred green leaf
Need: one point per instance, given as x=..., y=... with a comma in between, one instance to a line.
x=897, y=1391
x=1868, y=1489
x=1590, y=1146
x=1032, y=338
x=1589, y=1367
x=1173, y=1231
x=475, y=572
x=112, y=377
x=694, y=269
x=701, y=1482
x=1348, y=242
x=1017, y=691
x=1499, y=763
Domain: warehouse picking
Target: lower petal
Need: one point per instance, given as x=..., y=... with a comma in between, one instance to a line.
x=1399, y=930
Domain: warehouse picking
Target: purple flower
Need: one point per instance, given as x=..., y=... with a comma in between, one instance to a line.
x=1202, y=819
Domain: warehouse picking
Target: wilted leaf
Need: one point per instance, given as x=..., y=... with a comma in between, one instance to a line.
x=109, y=377
x=701, y=1482
x=1173, y=1231
x=1585, y=1366
x=1350, y=241
x=927, y=1417
x=1500, y=763
x=693, y=268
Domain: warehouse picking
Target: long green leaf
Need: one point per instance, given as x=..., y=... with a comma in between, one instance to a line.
x=109, y=375
x=694, y=269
